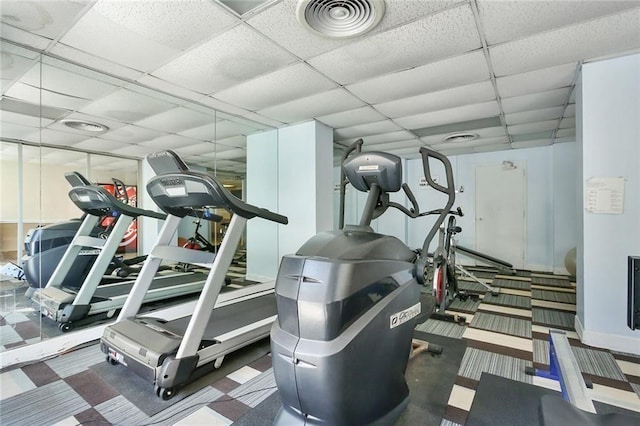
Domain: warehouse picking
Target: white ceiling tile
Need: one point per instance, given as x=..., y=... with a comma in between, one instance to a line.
x=352, y=117
x=534, y=115
x=454, y=115
x=477, y=142
x=444, y=99
x=67, y=82
x=568, y=123
x=231, y=153
x=55, y=137
x=538, y=126
x=570, y=111
x=102, y=37
x=236, y=141
x=537, y=81
x=227, y=128
x=312, y=106
x=564, y=139
x=178, y=25
x=585, y=41
x=127, y=106
x=15, y=65
x=170, y=142
x=284, y=85
x=484, y=133
x=378, y=138
x=99, y=145
x=237, y=55
x=135, y=151
x=64, y=156
x=45, y=18
x=17, y=131
x=535, y=101
x=25, y=38
x=93, y=61
x=167, y=87
x=386, y=126
x=401, y=152
x=23, y=119
x=203, y=133
x=201, y=148
x=572, y=97
x=508, y=20
x=280, y=24
x=564, y=133
x=176, y=120
x=491, y=148
x=448, y=73
x=411, y=143
x=427, y=40
x=531, y=144
x=24, y=92
x=111, y=124
x=132, y=134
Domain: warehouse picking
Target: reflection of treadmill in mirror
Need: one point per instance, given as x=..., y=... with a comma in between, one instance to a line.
x=173, y=353
x=72, y=307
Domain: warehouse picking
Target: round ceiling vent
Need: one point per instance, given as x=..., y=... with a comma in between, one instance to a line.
x=340, y=19
x=85, y=126
x=460, y=137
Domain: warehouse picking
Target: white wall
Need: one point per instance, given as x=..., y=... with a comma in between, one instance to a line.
x=289, y=171
x=608, y=108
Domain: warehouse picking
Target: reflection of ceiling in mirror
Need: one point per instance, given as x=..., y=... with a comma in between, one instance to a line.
x=139, y=121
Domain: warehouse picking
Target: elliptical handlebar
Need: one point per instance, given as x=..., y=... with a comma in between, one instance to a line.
x=356, y=146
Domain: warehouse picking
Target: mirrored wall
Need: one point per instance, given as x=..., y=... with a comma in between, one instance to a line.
x=57, y=118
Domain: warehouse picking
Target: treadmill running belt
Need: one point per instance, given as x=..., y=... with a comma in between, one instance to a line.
x=231, y=317
x=111, y=291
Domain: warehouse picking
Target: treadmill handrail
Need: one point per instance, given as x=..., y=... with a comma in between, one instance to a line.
x=225, y=199
x=78, y=195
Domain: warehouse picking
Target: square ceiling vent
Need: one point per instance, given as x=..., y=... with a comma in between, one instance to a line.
x=244, y=8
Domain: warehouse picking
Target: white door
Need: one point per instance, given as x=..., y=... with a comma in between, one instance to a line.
x=500, y=212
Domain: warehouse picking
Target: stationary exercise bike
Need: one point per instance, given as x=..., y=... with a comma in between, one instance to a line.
x=347, y=307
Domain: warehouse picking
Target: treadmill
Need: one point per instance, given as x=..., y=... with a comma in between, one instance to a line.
x=171, y=353
x=71, y=307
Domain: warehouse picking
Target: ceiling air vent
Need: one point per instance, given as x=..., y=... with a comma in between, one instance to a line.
x=460, y=137
x=340, y=19
x=85, y=126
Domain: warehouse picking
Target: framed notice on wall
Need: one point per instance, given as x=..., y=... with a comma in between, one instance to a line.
x=605, y=195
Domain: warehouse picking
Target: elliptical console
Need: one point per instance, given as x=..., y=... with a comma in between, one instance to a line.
x=347, y=306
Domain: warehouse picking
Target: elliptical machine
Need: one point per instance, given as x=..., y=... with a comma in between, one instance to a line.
x=347, y=307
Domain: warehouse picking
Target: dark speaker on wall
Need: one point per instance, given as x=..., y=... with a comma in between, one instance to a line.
x=633, y=300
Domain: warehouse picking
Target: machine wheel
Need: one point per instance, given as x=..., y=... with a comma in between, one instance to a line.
x=111, y=360
x=166, y=393
x=64, y=327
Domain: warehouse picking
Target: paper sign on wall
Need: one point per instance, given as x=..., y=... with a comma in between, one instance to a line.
x=605, y=195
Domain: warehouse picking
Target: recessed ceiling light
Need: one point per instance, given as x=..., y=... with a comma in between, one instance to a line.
x=85, y=126
x=340, y=18
x=460, y=137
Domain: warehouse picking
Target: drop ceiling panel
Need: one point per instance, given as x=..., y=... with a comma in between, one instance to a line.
x=55, y=137
x=378, y=138
x=280, y=24
x=491, y=148
x=312, y=106
x=236, y=141
x=25, y=38
x=23, y=119
x=99, y=145
x=46, y=18
x=127, y=106
x=66, y=82
x=98, y=35
x=448, y=73
x=477, y=142
x=565, y=133
x=14, y=65
x=225, y=129
x=444, y=99
x=200, y=148
x=535, y=101
x=386, y=126
x=176, y=120
x=570, y=111
x=135, y=151
x=537, y=126
x=353, y=117
x=435, y=37
x=589, y=40
x=568, y=123
x=231, y=153
x=178, y=25
x=535, y=115
x=537, y=81
x=224, y=61
x=170, y=141
x=132, y=134
x=454, y=115
x=531, y=144
x=17, y=131
x=508, y=20
x=485, y=133
x=412, y=143
x=95, y=62
x=284, y=85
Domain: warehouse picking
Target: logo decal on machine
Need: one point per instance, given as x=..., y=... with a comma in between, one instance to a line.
x=401, y=317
